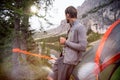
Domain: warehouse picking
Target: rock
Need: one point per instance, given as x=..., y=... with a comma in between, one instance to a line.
x=97, y=15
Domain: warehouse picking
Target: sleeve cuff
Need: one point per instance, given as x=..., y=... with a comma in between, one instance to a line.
x=66, y=43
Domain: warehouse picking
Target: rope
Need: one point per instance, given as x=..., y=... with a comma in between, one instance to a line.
x=17, y=50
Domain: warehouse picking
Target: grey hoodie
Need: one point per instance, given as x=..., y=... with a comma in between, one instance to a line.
x=75, y=44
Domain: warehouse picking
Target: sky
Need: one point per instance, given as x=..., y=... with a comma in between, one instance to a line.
x=55, y=15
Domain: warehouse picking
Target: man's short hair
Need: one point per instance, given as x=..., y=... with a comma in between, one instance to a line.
x=72, y=11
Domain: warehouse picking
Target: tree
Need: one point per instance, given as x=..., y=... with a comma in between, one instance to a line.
x=14, y=17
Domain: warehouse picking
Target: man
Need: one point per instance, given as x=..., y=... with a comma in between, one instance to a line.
x=74, y=45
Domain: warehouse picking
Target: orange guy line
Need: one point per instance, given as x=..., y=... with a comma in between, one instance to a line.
x=17, y=50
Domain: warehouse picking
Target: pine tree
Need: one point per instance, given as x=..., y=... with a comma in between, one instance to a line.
x=14, y=25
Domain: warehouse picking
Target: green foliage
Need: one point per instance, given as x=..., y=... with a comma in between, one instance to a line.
x=15, y=9
x=93, y=37
x=55, y=46
x=52, y=42
x=14, y=20
x=6, y=39
x=52, y=39
x=36, y=61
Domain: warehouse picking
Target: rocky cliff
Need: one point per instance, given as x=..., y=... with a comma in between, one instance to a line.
x=97, y=15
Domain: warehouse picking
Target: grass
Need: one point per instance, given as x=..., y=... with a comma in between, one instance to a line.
x=93, y=37
x=51, y=39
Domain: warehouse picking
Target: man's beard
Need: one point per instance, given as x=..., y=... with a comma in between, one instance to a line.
x=68, y=21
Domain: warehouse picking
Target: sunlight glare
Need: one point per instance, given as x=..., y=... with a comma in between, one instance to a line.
x=34, y=9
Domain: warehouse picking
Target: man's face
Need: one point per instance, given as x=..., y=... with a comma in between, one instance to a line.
x=67, y=18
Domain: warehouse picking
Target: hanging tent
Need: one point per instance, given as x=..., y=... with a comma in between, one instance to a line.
x=108, y=51
x=100, y=57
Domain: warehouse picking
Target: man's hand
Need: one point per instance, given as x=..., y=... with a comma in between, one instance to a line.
x=62, y=40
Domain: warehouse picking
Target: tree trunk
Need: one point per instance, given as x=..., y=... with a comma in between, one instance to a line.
x=19, y=38
x=23, y=46
x=19, y=42
x=16, y=43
